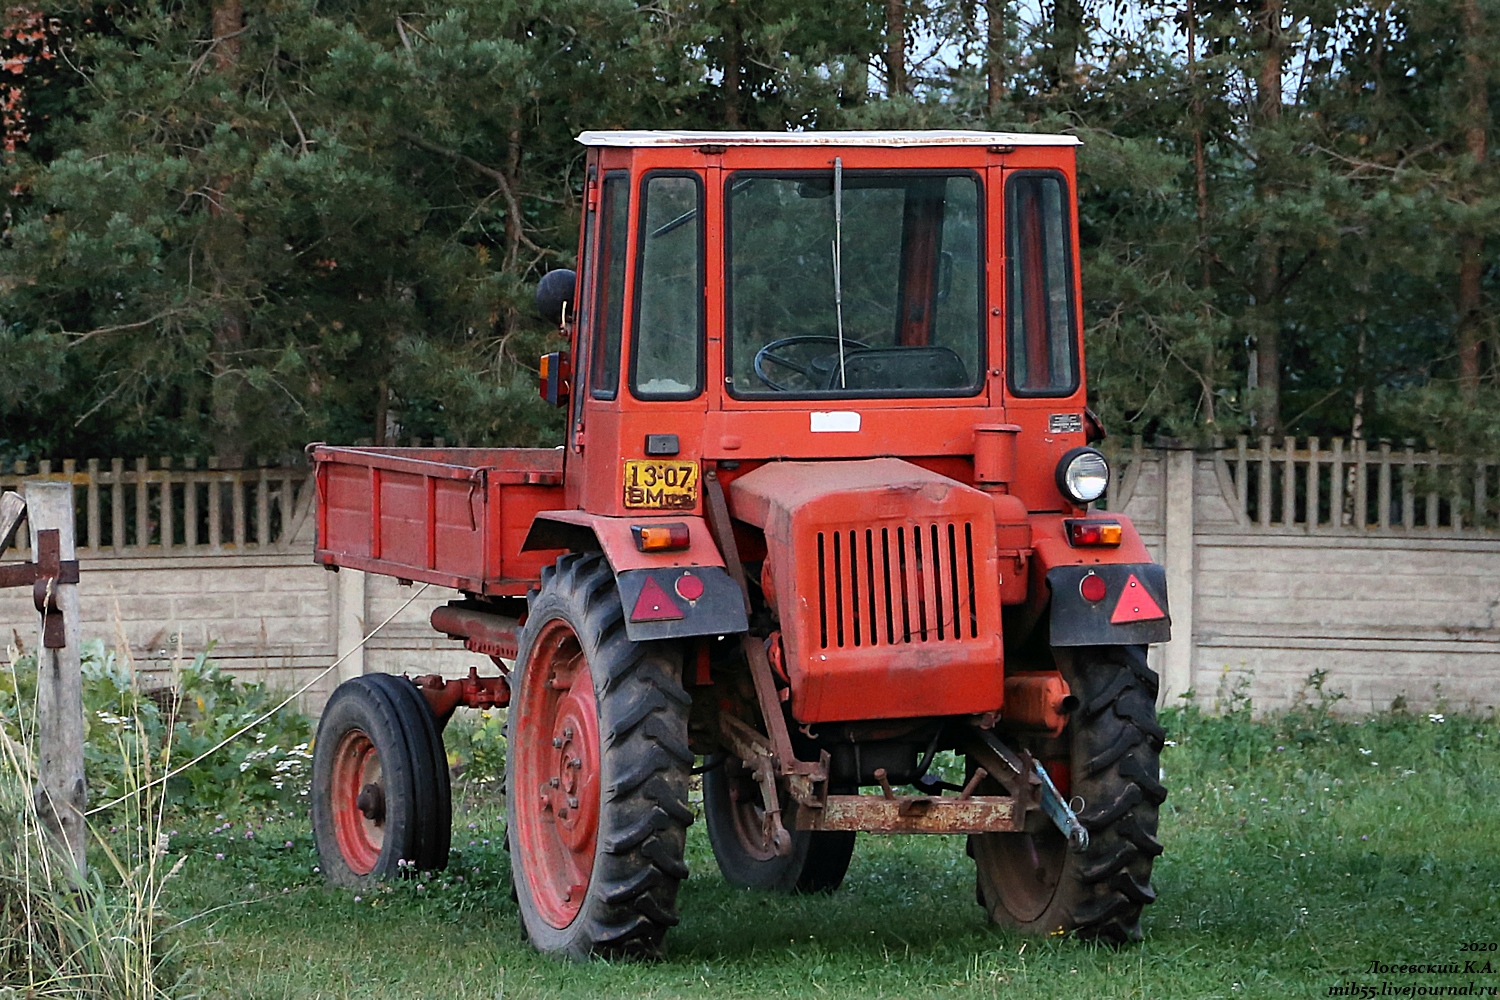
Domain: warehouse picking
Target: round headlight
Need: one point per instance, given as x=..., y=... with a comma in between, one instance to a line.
x=1083, y=475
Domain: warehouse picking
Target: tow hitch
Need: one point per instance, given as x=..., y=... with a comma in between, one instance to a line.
x=1028, y=782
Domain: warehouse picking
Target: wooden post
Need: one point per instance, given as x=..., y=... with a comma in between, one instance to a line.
x=61, y=793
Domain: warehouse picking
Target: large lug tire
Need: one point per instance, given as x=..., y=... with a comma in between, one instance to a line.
x=596, y=773
x=1109, y=756
x=734, y=808
x=380, y=798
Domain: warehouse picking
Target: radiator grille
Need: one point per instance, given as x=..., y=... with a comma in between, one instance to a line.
x=892, y=585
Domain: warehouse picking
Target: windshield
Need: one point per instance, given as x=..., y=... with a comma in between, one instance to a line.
x=854, y=284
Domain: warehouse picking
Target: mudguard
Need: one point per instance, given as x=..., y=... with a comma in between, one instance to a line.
x=1130, y=590
x=1133, y=609
x=666, y=595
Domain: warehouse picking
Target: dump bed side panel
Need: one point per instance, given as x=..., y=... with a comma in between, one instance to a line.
x=452, y=517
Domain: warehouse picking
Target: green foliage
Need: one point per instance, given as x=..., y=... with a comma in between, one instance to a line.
x=267, y=769
x=328, y=226
x=475, y=742
x=100, y=937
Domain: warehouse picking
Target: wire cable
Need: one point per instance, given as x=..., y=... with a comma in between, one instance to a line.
x=245, y=729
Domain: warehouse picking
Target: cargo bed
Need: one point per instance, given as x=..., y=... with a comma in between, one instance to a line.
x=455, y=517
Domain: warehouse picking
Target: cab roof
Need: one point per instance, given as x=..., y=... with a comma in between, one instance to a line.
x=931, y=137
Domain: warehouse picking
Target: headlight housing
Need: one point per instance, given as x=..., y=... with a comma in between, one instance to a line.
x=1083, y=475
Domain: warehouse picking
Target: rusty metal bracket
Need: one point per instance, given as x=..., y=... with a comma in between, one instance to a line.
x=473, y=691
x=1028, y=783
x=913, y=814
x=43, y=576
x=753, y=750
x=770, y=710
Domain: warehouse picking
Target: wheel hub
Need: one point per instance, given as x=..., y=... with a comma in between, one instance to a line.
x=371, y=802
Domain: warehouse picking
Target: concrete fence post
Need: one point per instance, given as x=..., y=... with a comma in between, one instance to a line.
x=61, y=793
x=1181, y=561
x=350, y=622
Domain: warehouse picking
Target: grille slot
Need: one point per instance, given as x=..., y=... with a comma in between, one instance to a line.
x=893, y=585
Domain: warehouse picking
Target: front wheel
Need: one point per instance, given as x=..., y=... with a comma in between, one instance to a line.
x=380, y=793
x=734, y=809
x=596, y=773
x=1109, y=756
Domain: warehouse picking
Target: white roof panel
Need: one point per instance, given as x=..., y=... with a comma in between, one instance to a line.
x=932, y=137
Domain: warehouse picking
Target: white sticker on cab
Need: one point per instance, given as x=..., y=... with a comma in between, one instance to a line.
x=835, y=422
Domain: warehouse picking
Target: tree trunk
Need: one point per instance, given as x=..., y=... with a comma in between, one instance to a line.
x=994, y=56
x=1200, y=163
x=895, y=48
x=733, y=61
x=1068, y=36
x=229, y=20
x=1268, y=268
x=226, y=254
x=1471, y=243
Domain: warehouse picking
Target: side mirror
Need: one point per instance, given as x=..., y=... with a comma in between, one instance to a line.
x=556, y=377
x=554, y=295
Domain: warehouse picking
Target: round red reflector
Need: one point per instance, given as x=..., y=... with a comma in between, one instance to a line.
x=1092, y=588
x=689, y=587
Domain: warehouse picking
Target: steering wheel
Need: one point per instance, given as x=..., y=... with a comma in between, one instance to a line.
x=816, y=369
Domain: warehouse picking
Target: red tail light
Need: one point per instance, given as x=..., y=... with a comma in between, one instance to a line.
x=1094, y=533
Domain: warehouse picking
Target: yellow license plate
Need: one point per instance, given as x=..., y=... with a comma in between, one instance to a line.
x=661, y=485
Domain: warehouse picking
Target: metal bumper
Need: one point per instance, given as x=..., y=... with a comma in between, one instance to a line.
x=911, y=814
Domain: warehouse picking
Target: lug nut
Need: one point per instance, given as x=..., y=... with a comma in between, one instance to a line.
x=554, y=781
x=572, y=802
x=567, y=732
x=575, y=763
x=557, y=742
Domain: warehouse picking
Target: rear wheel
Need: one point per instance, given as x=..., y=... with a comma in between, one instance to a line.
x=734, y=809
x=380, y=798
x=596, y=772
x=1109, y=757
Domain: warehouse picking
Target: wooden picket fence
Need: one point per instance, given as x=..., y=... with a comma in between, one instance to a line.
x=1345, y=486
x=164, y=507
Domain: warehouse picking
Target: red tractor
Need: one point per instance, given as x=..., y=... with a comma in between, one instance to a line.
x=823, y=511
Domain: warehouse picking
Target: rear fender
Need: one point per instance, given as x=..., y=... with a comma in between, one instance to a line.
x=666, y=595
x=1058, y=570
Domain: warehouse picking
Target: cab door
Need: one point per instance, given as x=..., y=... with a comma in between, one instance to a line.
x=1043, y=335
x=601, y=317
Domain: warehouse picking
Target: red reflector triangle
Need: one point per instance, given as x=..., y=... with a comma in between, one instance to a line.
x=1136, y=604
x=654, y=605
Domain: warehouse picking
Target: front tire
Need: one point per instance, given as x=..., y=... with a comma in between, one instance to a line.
x=596, y=773
x=733, y=808
x=1110, y=753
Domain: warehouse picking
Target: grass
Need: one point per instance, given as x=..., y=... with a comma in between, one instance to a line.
x=1298, y=850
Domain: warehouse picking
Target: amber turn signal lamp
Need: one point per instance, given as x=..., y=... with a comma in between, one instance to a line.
x=660, y=537
x=555, y=373
x=1092, y=532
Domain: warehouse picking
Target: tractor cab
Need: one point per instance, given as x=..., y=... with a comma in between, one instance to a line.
x=823, y=512
x=818, y=296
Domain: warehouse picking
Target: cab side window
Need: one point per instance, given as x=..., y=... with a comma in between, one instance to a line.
x=1043, y=349
x=614, y=211
x=667, y=359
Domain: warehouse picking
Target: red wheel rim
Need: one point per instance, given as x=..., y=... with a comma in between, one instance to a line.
x=360, y=831
x=557, y=774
